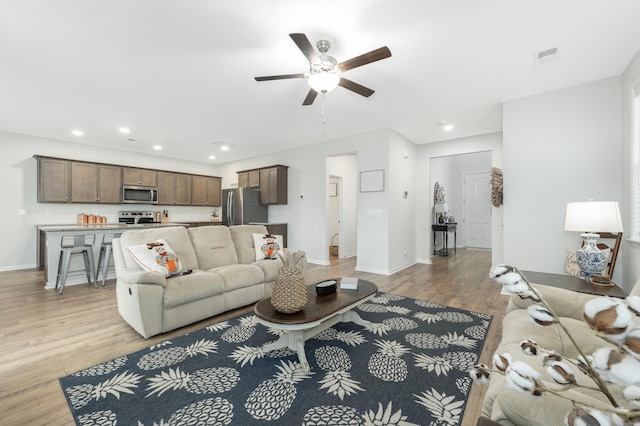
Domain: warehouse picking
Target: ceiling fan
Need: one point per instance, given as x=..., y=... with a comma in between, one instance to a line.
x=325, y=72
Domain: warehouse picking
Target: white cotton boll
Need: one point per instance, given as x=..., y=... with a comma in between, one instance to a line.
x=632, y=394
x=516, y=288
x=580, y=416
x=499, y=270
x=540, y=316
x=616, y=367
x=561, y=373
x=521, y=377
x=608, y=315
x=502, y=361
x=632, y=341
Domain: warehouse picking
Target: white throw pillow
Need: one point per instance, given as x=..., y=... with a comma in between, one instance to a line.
x=267, y=246
x=156, y=257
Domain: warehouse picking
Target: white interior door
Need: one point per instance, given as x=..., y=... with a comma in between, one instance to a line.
x=477, y=210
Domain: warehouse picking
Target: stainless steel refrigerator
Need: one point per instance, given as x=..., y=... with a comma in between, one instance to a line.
x=242, y=206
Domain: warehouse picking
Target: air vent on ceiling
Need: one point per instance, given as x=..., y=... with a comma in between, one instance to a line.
x=546, y=55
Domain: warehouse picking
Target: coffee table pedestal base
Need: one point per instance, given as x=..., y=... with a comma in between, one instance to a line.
x=297, y=334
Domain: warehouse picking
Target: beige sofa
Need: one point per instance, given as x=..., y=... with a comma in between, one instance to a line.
x=225, y=276
x=508, y=407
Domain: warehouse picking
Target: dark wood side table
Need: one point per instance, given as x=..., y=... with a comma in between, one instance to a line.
x=569, y=282
x=445, y=228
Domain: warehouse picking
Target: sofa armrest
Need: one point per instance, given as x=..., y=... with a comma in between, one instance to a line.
x=137, y=276
x=565, y=303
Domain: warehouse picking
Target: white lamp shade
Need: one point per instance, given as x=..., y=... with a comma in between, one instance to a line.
x=441, y=208
x=593, y=216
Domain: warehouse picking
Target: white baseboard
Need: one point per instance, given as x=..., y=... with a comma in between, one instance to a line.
x=17, y=267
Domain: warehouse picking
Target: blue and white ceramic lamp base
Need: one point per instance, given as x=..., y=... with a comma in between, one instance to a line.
x=590, y=259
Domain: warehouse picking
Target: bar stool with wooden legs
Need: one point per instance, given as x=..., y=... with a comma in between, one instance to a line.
x=71, y=245
x=105, y=255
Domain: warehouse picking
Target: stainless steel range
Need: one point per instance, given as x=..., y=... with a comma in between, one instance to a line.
x=135, y=217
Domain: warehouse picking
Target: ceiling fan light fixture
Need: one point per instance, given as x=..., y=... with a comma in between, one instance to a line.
x=323, y=82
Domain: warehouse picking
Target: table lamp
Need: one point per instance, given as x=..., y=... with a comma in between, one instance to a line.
x=590, y=217
x=441, y=209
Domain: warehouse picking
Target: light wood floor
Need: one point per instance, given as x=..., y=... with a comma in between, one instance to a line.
x=45, y=336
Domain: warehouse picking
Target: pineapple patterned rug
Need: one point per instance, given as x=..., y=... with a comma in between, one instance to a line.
x=410, y=368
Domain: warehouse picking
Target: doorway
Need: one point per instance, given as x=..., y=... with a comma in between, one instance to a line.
x=342, y=197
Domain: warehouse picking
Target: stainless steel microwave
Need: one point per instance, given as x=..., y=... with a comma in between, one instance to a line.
x=139, y=194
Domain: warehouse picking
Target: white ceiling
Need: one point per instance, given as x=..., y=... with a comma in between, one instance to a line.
x=181, y=73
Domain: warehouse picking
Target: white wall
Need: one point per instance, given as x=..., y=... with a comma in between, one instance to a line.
x=558, y=147
x=630, y=251
x=491, y=142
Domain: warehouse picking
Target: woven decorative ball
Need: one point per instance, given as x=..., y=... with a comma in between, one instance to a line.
x=289, y=294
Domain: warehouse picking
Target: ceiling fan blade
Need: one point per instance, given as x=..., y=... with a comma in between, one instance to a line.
x=367, y=58
x=311, y=96
x=305, y=46
x=280, y=77
x=355, y=87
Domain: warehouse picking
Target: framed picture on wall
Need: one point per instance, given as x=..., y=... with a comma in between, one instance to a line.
x=333, y=190
x=372, y=181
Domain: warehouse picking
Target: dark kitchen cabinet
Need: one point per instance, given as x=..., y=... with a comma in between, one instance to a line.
x=206, y=191
x=174, y=188
x=95, y=183
x=54, y=180
x=273, y=185
x=139, y=177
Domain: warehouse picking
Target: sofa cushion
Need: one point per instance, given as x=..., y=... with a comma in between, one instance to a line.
x=198, y=285
x=239, y=276
x=156, y=256
x=176, y=236
x=270, y=268
x=242, y=236
x=213, y=246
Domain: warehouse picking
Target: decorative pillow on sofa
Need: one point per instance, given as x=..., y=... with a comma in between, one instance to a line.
x=267, y=246
x=156, y=257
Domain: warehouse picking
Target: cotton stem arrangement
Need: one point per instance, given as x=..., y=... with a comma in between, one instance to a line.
x=612, y=321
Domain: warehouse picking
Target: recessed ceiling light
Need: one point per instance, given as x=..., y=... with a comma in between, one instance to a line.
x=124, y=130
x=224, y=148
x=212, y=157
x=77, y=132
x=445, y=125
x=157, y=147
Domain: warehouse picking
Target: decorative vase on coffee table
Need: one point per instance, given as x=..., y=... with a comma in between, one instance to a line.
x=289, y=294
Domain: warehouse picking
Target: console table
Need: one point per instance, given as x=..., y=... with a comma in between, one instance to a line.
x=569, y=282
x=445, y=228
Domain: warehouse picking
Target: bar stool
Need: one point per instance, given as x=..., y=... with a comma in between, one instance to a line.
x=76, y=244
x=105, y=255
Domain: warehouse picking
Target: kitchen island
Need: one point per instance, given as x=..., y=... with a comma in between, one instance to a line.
x=50, y=236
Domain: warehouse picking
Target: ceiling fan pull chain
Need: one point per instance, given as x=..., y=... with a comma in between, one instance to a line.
x=322, y=113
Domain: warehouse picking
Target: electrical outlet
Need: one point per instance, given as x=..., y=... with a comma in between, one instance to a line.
x=22, y=212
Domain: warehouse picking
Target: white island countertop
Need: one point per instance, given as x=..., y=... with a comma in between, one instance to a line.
x=104, y=226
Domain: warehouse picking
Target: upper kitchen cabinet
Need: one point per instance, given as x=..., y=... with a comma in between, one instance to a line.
x=95, y=183
x=273, y=185
x=174, y=188
x=54, y=185
x=140, y=177
x=206, y=191
x=249, y=179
